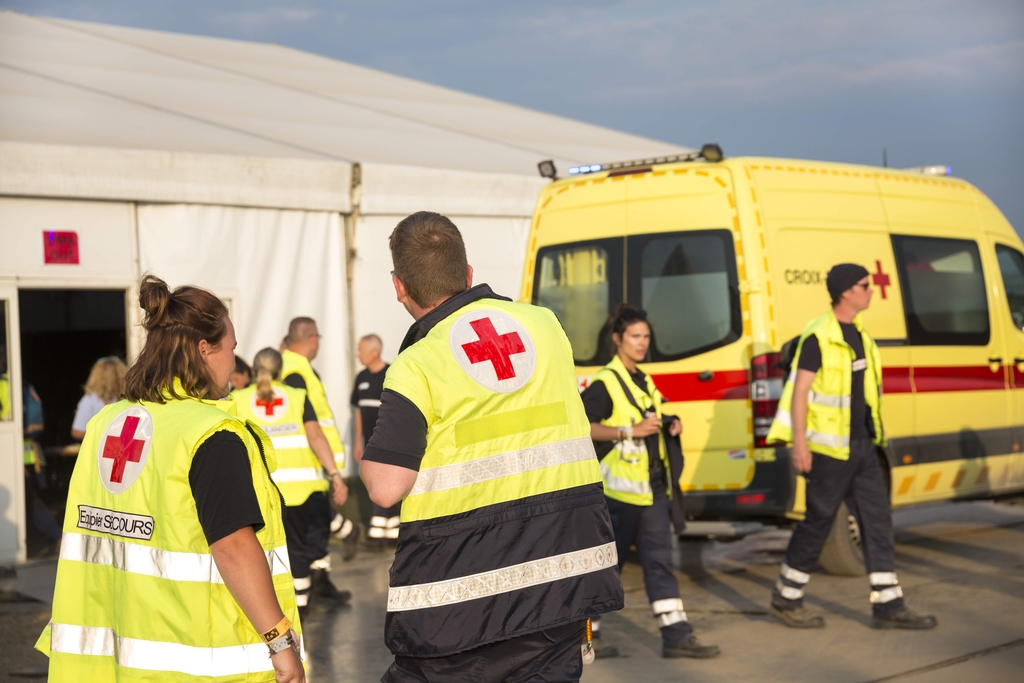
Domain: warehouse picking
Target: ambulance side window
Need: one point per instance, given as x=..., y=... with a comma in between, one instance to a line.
x=943, y=291
x=582, y=283
x=6, y=407
x=1011, y=265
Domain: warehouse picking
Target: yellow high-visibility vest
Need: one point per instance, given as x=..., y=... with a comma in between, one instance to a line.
x=294, y=363
x=299, y=473
x=138, y=596
x=626, y=468
x=6, y=407
x=505, y=530
x=828, y=403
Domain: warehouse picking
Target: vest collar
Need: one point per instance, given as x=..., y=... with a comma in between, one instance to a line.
x=618, y=366
x=424, y=325
x=835, y=332
x=227, y=404
x=296, y=358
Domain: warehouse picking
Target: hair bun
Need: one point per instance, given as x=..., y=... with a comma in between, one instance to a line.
x=154, y=298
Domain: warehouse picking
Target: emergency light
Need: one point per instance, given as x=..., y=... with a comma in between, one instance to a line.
x=710, y=152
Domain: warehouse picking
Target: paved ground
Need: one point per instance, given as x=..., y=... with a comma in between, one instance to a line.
x=962, y=562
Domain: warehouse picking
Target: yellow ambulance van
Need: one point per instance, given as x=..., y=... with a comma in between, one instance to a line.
x=729, y=257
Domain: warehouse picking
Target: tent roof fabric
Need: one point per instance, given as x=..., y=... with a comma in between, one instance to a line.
x=69, y=83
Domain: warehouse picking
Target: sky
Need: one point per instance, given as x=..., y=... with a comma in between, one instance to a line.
x=931, y=81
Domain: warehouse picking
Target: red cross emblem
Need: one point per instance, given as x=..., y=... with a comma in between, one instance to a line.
x=880, y=279
x=123, y=448
x=268, y=406
x=126, y=440
x=494, y=347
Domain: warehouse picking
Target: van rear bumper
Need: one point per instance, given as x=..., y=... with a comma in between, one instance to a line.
x=767, y=499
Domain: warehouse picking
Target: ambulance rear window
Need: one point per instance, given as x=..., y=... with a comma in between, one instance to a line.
x=687, y=283
x=582, y=284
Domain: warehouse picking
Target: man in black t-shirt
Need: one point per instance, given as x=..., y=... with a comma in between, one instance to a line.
x=366, y=393
x=837, y=366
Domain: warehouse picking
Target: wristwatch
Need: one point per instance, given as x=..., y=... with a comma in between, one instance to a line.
x=282, y=643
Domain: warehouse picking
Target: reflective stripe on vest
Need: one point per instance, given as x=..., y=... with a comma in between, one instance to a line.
x=503, y=465
x=162, y=564
x=291, y=441
x=504, y=580
x=153, y=655
x=286, y=475
x=621, y=485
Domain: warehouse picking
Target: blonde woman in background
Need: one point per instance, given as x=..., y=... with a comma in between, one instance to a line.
x=105, y=385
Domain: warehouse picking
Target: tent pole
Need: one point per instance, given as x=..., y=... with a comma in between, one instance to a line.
x=349, y=222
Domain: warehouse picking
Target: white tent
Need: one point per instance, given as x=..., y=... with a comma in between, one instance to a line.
x=266, y=174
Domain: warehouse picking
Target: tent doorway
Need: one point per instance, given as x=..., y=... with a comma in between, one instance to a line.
x=63, y=332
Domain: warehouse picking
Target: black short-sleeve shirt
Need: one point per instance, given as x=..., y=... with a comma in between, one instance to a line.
x=810, y=359
x=295, y=381
x=366, y=394
x=221, y=480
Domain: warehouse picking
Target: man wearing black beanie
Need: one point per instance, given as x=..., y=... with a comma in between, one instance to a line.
x=830, y=411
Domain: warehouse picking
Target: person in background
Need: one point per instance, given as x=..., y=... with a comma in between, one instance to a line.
x=627, y=426
x=241, y=376
x=831, y=413
x=6, y=409
x=302, y=346
x=173, y=565
x=35, y=472
x=104, y=386
x=369, y=385
x=303, y=454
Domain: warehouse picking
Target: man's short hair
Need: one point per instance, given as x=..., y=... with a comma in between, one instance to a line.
x=429, y=257
x=374, y=340
x=300, y=329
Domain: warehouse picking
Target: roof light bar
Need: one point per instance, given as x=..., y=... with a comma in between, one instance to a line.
x=937, y=169
x=709, y=152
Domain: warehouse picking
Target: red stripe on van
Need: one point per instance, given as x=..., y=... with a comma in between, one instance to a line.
x=896, y=381
x=958, y=378
x=684, y=386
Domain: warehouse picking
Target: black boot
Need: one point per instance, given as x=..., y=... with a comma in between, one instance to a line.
x=904, y=618
x=799, y=617
x=690, y=647
x=323, y=588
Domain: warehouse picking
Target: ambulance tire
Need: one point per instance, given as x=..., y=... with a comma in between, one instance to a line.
x=842, y=554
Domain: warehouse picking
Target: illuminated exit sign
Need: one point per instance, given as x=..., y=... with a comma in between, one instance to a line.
x=60, y=247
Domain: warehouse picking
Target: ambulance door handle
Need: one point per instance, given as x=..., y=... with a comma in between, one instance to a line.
x=995, y=360
x=706, y=376
x=1018, y=361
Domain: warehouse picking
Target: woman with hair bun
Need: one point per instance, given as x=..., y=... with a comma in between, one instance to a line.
x=628, y=430
x=174, y=565
x=303, y=454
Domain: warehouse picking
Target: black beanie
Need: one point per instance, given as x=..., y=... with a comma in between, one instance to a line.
x=842, y=277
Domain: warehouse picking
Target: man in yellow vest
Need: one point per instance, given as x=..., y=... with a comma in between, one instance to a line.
x=300, y=347
x=830, y=411
x=505, y=547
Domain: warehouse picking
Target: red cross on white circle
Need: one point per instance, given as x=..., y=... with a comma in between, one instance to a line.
x=124, y=448
x=271, y=410
x=494, y=349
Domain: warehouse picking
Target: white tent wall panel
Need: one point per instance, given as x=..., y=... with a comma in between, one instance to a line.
x=41, y=170
x=272, y=265
x=495, y=247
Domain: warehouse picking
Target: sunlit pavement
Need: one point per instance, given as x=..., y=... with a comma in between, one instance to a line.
x=962, y=562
